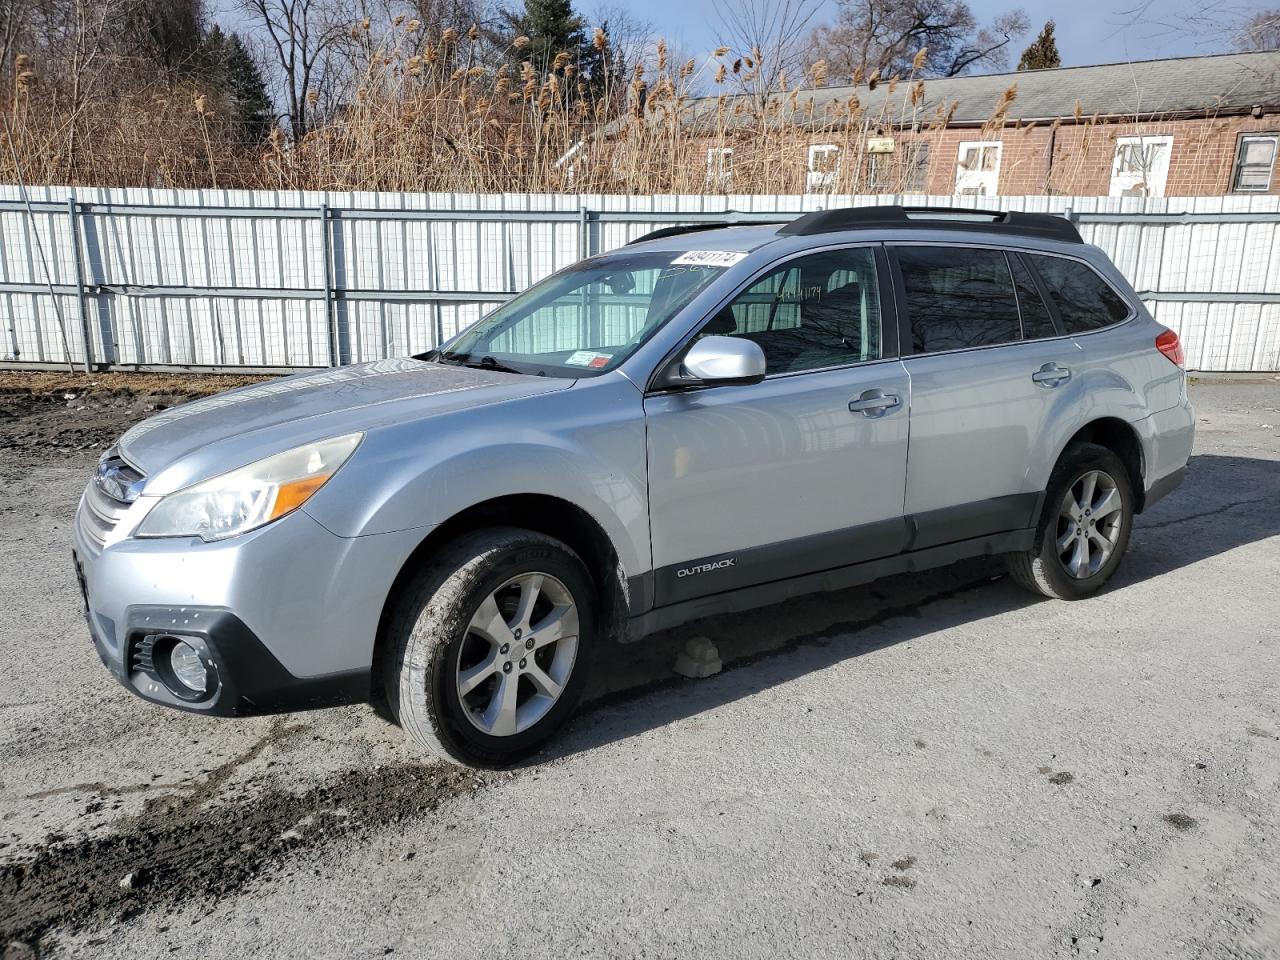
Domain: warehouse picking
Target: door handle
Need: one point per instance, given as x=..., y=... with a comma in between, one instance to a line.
x=875, y=403
x=1050, y=375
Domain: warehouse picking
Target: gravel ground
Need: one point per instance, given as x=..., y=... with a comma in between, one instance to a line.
x=936, y=765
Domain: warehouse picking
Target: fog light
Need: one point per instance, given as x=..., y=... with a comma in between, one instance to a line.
x=184, y=661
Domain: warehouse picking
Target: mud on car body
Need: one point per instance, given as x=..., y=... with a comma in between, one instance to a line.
x=711, y=419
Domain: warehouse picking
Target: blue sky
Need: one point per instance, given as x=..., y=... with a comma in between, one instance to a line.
x=1087, y=31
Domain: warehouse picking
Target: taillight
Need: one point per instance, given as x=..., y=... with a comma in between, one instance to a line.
x=1169, y=344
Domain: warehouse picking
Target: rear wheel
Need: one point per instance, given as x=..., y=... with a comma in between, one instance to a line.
x=488, y=649
x=1084, y=526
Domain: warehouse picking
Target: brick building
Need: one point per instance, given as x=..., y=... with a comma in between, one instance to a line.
x=1195, y=126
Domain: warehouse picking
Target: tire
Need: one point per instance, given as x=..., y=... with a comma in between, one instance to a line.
x=1089, y=557
x=461, y=623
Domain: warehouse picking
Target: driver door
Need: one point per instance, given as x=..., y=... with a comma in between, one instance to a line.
x=802, y=472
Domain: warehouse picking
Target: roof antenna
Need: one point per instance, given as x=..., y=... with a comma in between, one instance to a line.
x=35, y=234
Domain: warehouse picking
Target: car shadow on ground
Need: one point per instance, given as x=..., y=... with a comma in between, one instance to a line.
x=1225, y=502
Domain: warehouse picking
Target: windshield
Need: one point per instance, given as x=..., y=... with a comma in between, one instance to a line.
x=584, y=320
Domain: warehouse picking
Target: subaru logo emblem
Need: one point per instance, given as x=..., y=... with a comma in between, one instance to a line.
x=117, y=481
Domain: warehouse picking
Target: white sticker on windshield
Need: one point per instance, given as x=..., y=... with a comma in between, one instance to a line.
x=708, y=258
x=588, y=358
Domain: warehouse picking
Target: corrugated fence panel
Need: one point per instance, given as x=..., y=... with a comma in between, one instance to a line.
x=279, y=279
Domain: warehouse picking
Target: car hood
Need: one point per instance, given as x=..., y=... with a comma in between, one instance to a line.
x=196, y=440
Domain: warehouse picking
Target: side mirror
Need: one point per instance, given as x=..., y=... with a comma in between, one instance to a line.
x=717, y=361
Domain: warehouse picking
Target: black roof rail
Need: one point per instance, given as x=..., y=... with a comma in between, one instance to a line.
x=678, y=230
x=735, y=220
x=1046, y=225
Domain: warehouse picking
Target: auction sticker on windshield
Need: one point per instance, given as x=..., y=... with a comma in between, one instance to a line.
x=587, y=358
x=708, y=258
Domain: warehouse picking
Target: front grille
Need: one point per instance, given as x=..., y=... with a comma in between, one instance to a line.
x=101, y=510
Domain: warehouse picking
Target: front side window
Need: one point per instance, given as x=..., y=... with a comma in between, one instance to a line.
x=1084, y=300
x=958, y=297
x=821, y=310
x=585, y=320
x=1255, y=161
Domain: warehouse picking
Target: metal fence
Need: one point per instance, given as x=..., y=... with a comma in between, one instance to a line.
x=268, y=280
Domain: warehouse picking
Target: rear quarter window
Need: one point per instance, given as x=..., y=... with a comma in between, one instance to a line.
x=1084, y=300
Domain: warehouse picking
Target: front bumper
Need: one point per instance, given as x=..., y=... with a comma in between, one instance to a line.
x=245, y=677
x=284, y=617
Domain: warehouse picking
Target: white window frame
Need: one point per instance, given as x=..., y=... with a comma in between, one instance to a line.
x=979, y=183
x=1271, y=170
x=1152, y=180
x=719, y=167
x=822, y=181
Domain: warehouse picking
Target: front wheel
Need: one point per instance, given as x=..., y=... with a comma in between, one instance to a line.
x=1084, y=526
x=488, y=649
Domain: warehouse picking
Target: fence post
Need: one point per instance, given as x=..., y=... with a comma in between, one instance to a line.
x=583, y=241
x=330, y=315
x=73, y=218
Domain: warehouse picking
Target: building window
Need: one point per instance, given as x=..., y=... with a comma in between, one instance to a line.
x=917, y=161
x=978, y=168
x=1141, y=166
x=879, y=172
x=824, y=166
x=720, y=168
x=1255, y=160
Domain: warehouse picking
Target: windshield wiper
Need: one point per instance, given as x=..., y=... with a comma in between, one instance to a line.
x=488, y=363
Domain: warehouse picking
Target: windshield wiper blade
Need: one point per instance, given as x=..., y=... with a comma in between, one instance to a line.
x=488, y=363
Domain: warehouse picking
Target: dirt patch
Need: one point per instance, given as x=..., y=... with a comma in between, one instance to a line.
x=179, y=851
x=43, y=414
x=1180, y=821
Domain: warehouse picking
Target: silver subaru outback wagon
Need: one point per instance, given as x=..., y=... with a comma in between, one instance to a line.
x=710, y=419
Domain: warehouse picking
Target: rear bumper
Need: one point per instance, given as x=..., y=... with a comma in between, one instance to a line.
x=1163, y=487
x=1167, y=438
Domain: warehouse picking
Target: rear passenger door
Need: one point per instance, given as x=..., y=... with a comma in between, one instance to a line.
x=987, y=365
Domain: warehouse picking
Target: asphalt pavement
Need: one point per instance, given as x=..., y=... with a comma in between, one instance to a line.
x=936, y=765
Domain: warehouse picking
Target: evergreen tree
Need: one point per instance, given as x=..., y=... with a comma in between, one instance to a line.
x=552, y=28
x=225, y=64
x=163, y=32
x=1043, y=52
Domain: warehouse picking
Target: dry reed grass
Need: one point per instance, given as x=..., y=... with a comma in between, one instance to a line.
x=434, y=114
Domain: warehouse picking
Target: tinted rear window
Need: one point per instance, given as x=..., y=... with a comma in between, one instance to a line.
x=958, y=298
x=1085, y=301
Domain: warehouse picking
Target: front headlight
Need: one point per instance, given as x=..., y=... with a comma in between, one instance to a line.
x=250, y=497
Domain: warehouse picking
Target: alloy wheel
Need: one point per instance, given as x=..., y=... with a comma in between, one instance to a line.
x=517, y=654
x=1089, y=524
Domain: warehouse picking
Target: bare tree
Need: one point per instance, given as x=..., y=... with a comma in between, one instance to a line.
x=298, y=38
x=630, y=37
x=767, y=40
x=1260, y=32
x=884, y=36
x=13, y=20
